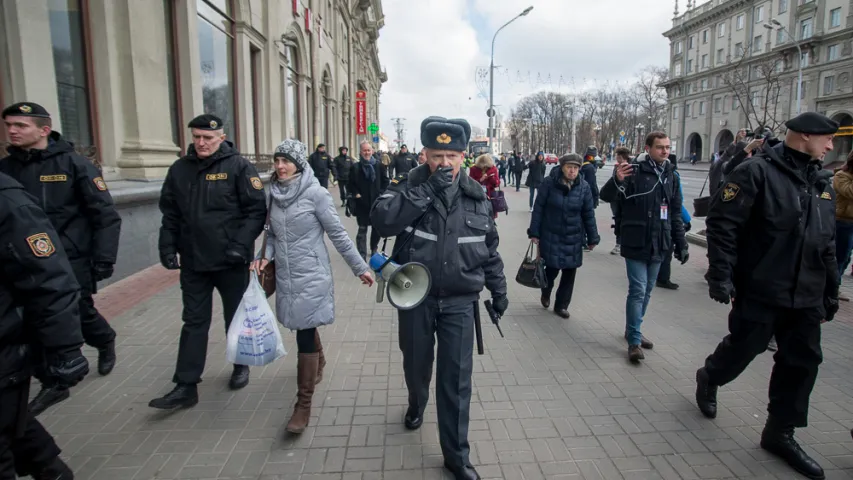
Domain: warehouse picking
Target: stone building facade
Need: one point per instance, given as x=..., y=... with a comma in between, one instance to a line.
x=709, y=101
x=123, y=77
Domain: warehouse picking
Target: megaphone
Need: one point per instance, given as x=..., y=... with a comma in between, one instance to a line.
x=407, y=284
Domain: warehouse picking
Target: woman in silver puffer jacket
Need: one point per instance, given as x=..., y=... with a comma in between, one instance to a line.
x=302, y=212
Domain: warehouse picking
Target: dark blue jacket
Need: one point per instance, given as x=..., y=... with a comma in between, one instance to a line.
x=560, y=218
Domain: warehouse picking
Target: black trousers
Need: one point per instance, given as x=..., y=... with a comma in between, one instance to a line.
x=453, y=323
x=25, y=446
x=564, y=290
x=751, y=325
x=197, y=293
x=361, y=240
x=305, y=340
x=342, y=185
x=517, y=176
x=324, y=181
x=665, y=272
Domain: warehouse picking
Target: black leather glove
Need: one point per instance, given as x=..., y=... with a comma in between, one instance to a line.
x=722, y=292
x=682, y=256
x=440, y=179
x=234, y=257
x=831, y=306
x=170, y=261
x=102, y=271
x=67, y=369
x=500, y=303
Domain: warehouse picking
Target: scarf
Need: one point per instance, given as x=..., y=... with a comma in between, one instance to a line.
x=367, y=168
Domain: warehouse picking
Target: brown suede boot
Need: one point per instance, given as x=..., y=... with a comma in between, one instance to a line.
x=306, y=378
x=322, y=357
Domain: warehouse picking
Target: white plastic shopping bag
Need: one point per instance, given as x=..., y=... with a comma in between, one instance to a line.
x=253, y=337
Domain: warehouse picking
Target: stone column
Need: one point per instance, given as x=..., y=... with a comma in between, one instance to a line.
x=30, y=55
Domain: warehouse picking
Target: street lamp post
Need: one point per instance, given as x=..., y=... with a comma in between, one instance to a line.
x=778, y=26
x=491, y=112
x=639, y=137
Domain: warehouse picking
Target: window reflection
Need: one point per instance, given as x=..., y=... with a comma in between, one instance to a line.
x=214, y=41
x=66, y=35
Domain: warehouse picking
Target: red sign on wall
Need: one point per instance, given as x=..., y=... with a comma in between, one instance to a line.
x=360, y=95
x=296, y=6
x=361, y=117
x=308, y=20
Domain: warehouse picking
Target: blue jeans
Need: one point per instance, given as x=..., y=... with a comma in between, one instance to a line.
x=641, y=281
x=843, y=245
x=532, y=195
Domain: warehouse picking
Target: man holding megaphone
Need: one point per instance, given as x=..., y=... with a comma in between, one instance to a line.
x=442, y=220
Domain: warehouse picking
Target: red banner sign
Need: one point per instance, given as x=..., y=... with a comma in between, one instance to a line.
x=360, y=95
x=361, y=117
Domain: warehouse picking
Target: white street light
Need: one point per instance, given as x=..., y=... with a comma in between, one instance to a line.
x=778, y=26
x=491, y=112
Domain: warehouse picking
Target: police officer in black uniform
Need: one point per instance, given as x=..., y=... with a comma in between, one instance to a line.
x=771, y=250
x=39, y=307
x=403, y=162
x=70, y=190
x=214, y=208
x=447, y=220
x=322, y=165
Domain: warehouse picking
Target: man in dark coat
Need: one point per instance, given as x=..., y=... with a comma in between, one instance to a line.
x=39, y=308
x=214, y=208
x=536, y=176
x=322, y=164
x=588, y=170
x=366, y=183
x=403, y=162
x=516, y=168
x=448, y=220
x=650, y=225
x=562, y=216
x=771, y=247
x=343, y=164
x=75, y=197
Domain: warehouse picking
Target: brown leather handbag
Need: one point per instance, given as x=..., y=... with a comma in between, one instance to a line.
x=267, y=276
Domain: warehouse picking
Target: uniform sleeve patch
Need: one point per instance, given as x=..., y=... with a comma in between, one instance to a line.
x=256, y=183
x=216, y=176
x=53, y=178
x=730, y=192
x=41, y=245
x=826, y=196
x=100, y=184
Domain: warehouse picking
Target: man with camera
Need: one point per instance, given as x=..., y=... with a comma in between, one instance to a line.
x=771, y=251
x=650, y=226
x=442, y=219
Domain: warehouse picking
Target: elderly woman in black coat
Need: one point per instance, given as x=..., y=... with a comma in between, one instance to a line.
x=563, y=213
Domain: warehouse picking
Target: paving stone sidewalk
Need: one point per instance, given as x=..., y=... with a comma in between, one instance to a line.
x=554, y=399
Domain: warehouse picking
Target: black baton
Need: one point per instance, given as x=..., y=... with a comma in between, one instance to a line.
x=478, y=328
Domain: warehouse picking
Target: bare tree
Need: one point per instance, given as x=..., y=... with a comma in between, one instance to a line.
x=651, y=96
x=757, y=88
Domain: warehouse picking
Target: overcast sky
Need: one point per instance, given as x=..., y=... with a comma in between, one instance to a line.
x=431, y=50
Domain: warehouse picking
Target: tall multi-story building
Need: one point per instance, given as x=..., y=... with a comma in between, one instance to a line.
x=123, y=77
x=735, y=64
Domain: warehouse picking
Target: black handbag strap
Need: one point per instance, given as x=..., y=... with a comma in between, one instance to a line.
x=705, y=183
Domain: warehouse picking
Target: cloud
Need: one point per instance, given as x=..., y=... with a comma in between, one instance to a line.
x=431, y=49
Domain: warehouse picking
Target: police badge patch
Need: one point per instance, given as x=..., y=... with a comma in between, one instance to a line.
x=41, y=245
x=100, y=184
x=257, y=184
x=826, y=196
x=730, y=192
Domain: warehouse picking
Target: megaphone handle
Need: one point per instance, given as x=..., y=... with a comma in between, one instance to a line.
x=478, y=329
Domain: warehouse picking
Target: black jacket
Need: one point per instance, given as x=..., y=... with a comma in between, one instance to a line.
x=321, y=163
x=536, y=175
x=359, y=184
x=516, y=164
x=211, y=206
x=402, y=163
x=644, y=234
x=38, y=291
x=343, y=163
x=70, y=190
x=771, y=231
x=588, y=171
x=459, y=246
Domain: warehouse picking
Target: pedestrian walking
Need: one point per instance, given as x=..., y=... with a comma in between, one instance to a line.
x=562, y=216
x=664, y=278
x=771, y=247
x=588, y=172
x=536, y=176
x=622, y=155
x=485, y=173
x=322, y=165
x=402, y=163
x=39, y=297
x=343, y=164
x=517, y=167
x=78, y=203
x=843, y=184
x=502, y=169
x=447, y=218
x=214, y=208
x=367, y=180
x=650, y=226
x=301, y=213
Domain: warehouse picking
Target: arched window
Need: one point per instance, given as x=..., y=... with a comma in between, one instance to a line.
x=216, y=52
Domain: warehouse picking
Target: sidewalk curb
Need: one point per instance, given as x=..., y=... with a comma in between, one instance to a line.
x=697, y=239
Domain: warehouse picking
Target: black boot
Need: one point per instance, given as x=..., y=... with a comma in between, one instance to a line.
x=48, y=397
x=667, y=285
x=706, y=394
x=57, y=470
x=778, y=439
x=107, y=358
x=414, y=419
x=184, y=395
x=239, y=377
x=465, y=472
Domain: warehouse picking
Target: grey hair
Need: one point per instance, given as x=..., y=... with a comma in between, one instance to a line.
x=364, y=142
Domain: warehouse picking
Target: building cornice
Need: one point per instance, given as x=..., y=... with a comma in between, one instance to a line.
x=717, y=13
